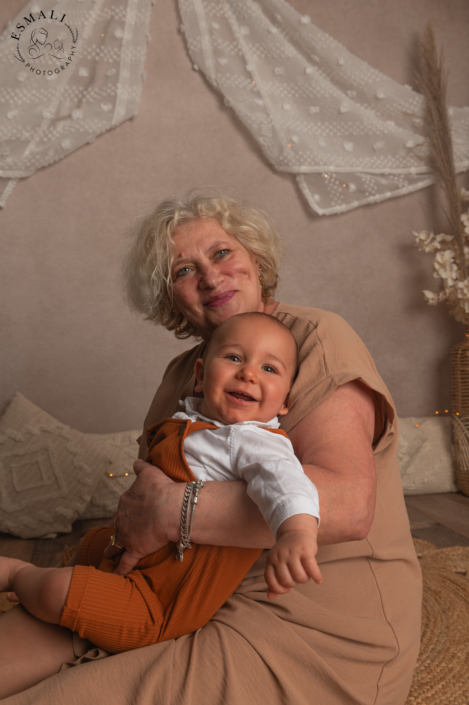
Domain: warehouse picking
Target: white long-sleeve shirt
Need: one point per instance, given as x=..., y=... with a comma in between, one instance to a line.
x=248, y=451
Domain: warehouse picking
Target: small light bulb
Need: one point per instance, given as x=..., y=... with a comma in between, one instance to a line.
x=111, y=475
x=126, y=474
x=417, y=425
x=437, y=412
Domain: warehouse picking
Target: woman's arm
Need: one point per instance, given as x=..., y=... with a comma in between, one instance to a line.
x=334, y=444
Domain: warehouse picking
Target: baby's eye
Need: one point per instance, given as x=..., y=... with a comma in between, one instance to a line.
x=269, y=368
x=234, y=358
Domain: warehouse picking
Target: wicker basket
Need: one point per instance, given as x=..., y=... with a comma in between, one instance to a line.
x=460, y=397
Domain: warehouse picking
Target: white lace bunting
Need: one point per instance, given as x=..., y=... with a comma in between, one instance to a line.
x=71, y=69
x=350, y=134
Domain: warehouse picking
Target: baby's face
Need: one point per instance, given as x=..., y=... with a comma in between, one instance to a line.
x=248, y=372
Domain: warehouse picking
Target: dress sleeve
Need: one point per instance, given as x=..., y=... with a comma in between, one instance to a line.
x=274, y=476
x=332, y=354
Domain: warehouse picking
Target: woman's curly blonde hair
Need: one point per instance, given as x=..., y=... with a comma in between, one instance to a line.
x=147, y=267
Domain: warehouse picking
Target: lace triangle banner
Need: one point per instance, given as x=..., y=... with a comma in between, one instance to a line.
x=350, y=134
x=70, y=70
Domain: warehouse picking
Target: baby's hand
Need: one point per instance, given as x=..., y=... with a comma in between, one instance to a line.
x=292, y=560
x=8, y=569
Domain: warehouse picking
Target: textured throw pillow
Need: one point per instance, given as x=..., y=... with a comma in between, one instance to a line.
x=122, y=450
x=48, y=471
x=426, y=455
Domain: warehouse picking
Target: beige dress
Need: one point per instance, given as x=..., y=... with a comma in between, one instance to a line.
x=353, y=640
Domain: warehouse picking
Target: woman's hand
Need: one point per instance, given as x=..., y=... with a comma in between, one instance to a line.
x=147, y=515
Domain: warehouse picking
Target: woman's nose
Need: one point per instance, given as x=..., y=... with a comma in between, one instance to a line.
x=210, y=276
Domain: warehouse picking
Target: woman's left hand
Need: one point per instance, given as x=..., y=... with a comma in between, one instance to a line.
x=142, y=518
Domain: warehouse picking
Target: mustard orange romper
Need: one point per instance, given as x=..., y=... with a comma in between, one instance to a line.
x=161, y=598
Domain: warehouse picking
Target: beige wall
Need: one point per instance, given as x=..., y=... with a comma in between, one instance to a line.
x=68, y=341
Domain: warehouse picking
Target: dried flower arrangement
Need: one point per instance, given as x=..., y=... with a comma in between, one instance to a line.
x=451, y=251
x=447, y=266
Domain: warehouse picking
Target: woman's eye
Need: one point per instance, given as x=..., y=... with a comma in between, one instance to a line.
x=181, y=272
x=221, y=253
x=269, y=368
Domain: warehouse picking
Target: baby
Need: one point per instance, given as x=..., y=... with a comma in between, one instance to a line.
x=231, y=433
x=250, y=366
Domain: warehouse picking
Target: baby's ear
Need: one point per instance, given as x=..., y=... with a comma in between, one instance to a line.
x=199, y=375
x=284, y=409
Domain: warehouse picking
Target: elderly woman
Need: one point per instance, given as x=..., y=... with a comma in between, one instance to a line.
x=355, y=638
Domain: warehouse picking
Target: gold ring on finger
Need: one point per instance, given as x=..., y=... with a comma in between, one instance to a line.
x=115, y=542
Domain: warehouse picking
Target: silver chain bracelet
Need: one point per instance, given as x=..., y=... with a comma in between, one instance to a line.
x=191, y=496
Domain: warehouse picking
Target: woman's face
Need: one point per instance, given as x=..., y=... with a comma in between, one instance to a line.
x=213, y=275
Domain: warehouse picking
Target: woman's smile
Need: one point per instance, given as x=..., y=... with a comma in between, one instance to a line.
x=220, y=299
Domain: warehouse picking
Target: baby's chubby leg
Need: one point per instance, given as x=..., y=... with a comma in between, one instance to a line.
x=32, y=644
x=30, y=650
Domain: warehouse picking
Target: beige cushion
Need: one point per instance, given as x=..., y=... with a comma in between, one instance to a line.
x=426, y=455
x=122, y=450
x=48, y=471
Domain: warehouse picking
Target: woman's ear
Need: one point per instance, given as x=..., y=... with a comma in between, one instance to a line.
x=199, y=375
x=284, y=409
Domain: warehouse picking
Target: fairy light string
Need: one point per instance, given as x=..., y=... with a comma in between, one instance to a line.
x=436, y=413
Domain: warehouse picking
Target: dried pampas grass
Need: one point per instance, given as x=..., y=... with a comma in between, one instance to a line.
x=432, y=82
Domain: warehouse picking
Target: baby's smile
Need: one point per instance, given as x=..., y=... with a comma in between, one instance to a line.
x=242, y=396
